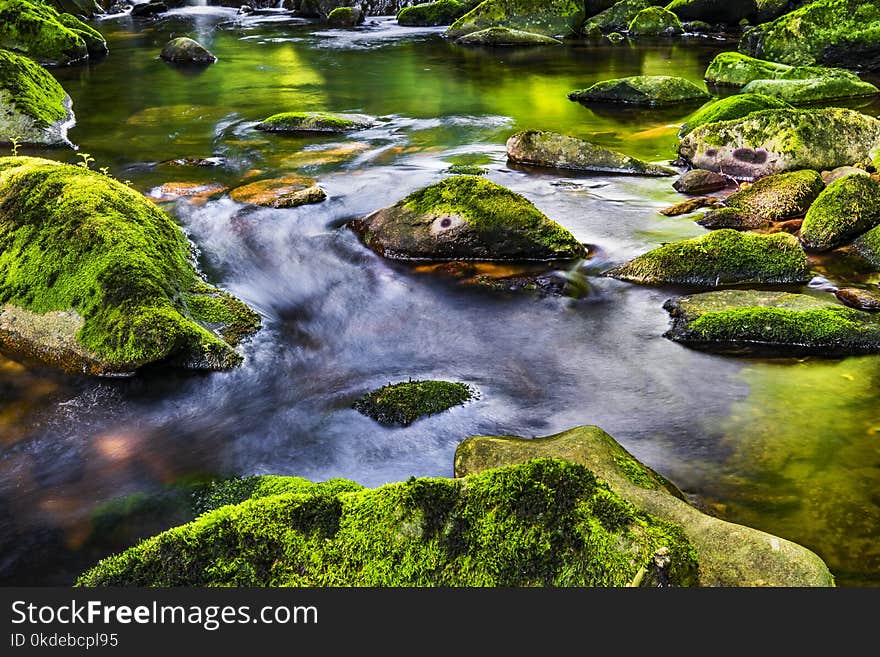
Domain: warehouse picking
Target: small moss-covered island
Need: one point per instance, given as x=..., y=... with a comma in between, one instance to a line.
x=315, y=122
x=650, y=90
x=405, y=402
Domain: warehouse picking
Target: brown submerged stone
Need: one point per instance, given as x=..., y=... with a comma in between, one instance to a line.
x=286, y=192
x=686, y=207
x=868, y=300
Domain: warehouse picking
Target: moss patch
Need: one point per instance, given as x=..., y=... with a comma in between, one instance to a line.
x=723, y=257
x=734, y=69
x=557, y=18
x=34, y=92
x=811, y=90
x=504, y=36
x=442, y=12
x=314, y=122
x=237, y=490
x=655, y=21
x=40, y=32
x=845, y=209
x=467, y=170
x=651, y=90
x=732, y=107
x=404, y=403
x=616, y=17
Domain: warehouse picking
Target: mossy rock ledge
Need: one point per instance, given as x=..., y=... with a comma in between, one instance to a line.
x=732, y=107
x=504, y=36
x=95, y=279
x=812, y=90
x=722, y=257
x=465, y=218
x=556, y=18
x=34, y=108
x=772, y=324
x=315, y=122
x=442, y=12
x=733, y=69
x=776, y=140
x=405, y=402
x=542, y=148
x=40, y=32
x=846, y=208
x=649, y=90
x=729, y=555
x=616, y=17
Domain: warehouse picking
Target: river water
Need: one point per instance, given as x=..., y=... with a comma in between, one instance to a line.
x=791, y=447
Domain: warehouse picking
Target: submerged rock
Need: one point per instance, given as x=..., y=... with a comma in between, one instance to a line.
x=553, y=150
x=846, y=208
x=94, y=279
x=34, y=108
x=504, y=36
x=184, y=50
x=345, y=17
x=699, y=181
x=830, y=32
x=867, y=300
x=651, y=90
x=771, y=141
x=782, y=324
x=774, y=198
x=812, y=89
x=550, y=17
x=722, y=257
x=713, y=11
x=442, y=12
x=732, y=107
x=41, y=33
x=733, y=69
x=655, y=21
x=288, y=191
x=315, y=122
x=466, y=217
x=728, y=554
x=692, y=204
x=197, y=192
x=404, y=403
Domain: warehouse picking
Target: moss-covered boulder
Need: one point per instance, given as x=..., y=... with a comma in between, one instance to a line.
x=41, y=33
x=618, y=17
x=655, y=21
x=542, y=523
x=287, y=191
x=733, y=69
x=650, y=90
x=868, y=247
x=732, y=107
x=772, y=141
x=774, y=198
x=95, y=279
x=87, y=8
x=728, y=554
x=722, y=257
x=504, y=36
x=769, y=10
x=467, y=170
x=34, y=108
x=845, y=209
x=315, y=122
x=713, y=11
x=811, y=90
x=550, y=149
x=768, y=324
x=184, y=50
x=404, y=403
x=345, y=17
x=442, y=12
x=832, y=32
x=557, y=18
x=466, y=218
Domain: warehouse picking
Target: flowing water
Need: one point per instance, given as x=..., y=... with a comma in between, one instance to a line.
x=791, y=447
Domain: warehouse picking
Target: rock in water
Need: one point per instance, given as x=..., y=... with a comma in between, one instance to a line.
x=712, y=11
x=315, y=122
x=733, y=69
x=466, y=218
x=553, y=150
x=145, y=9
x=442, y=12
x=617, y=17
x=698, y=181
x=722, y=257
x=95, y=279
x=184, y=50
x=404, y=403
x=830, y=32
x=556, y=18
x=288, y=191
x=772, y=141
x=847, y=208
x=728, y=554
x=811, y=90
x=651, y=90
x=41, y=33
x=34, y=109
x=504, y=36
x=867, y=300
x=774, y=198
x=732, y=107
x=345, y=17
x=655, y=21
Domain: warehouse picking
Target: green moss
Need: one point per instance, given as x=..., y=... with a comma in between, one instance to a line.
x=43, y=34
x=655, y=21
x=811, y=89
x=221, y=311
x=467, y=170
x=617, y=17
x=636, y=472
x=442, y=12
x=34, y=92
x=504, y=36
x=546, y=522
x=729, y=12
x=845, y=209
x=235, y=491
x=652, y=90
x=734, y=69
x=345, y=17
x=732, y=107
x=722, y=257
x=314, y=122
x=404, y=403
x=93, y=39
x=71, y=238
x=868, y=246
x=557, y=18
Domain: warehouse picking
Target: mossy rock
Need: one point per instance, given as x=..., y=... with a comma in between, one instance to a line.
x=868, y=247
x=776, y=140
x=700, y=181
x=655, y=21
x=722, y=257
x=847, y=208
x=41, y=33
x=732, y=107
x=618, y=17
x=315, y=122
x=467, y=170
x=504, y=36
x=650, y=90
x=547, y=522
x=557, y=18
x=466, y=218
x=831, y=32
x=733, y=69
x=552, y=150
x=184, y=50
x=225, y=492
x=442, y=12
x=34, y=108
x=812, y=90
x=87, y=8
x=769, y=10
x=95, y=279
x=729, y=12
x=404, y=403
x=772, y=324
x=345, y=17
x=774, y=198
x=729, y=555
x=288, y=191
